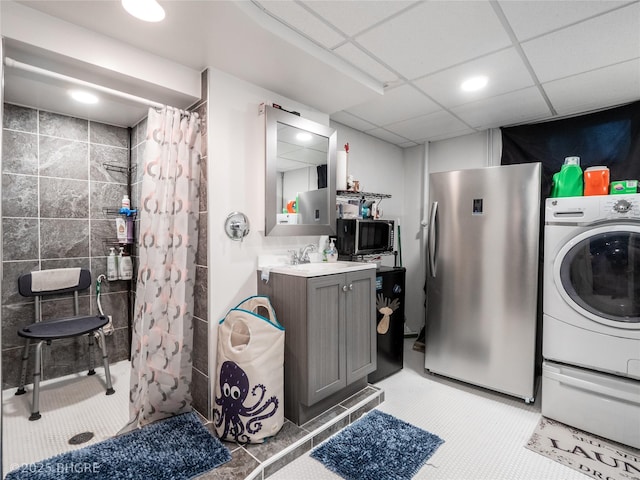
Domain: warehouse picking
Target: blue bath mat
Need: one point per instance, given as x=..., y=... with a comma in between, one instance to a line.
x=377, y=446
x=177, y=448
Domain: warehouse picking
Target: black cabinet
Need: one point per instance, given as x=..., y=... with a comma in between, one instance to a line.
x=390, y=287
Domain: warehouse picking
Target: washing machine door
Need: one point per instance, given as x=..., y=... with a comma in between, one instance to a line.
x=598, y=274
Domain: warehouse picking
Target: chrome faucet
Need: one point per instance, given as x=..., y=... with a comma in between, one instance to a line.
x=303, y=256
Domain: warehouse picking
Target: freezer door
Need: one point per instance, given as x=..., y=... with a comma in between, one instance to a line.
x=483, y=276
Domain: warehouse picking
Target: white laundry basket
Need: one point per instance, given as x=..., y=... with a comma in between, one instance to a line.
x=249, y=387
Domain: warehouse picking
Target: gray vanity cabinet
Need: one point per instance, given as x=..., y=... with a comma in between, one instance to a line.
x=330, y=337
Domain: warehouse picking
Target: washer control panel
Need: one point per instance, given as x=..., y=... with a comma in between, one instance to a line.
x=620, y=206
x=586, y=210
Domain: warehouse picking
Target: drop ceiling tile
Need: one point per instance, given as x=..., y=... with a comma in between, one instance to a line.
x=505, y=70
x=353, y=17
x=364, y=62
x=582, y=47
x=449, y=134
x=349, y=120
x=508, y=109
x=428, y=126
x=530, y=18
x=387, y=136
x=285, y=165
x=408, y=144
x=306, y=156
x=304, y=21
x=395, y=105
x=436, y=35
x=592, y=90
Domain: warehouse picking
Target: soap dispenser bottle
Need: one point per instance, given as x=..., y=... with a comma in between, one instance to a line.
x=112, y=266
x=332, y=253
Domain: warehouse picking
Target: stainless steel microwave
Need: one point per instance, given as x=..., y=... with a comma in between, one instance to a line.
x=356, y=236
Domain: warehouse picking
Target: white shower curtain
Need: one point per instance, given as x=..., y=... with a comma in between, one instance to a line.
x=162, y=343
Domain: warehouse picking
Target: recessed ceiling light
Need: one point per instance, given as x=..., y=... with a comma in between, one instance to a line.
x=474, y=83
x=83, y=96
x=147, y=10
x=303, y=136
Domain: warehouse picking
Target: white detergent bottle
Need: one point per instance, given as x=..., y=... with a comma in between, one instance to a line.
x=112, y=266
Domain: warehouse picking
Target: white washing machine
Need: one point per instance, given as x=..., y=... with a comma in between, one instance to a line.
x=591, y=321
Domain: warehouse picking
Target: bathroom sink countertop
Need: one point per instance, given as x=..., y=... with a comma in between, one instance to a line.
x=318, y=269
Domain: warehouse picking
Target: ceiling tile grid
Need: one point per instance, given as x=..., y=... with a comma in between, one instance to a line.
x=568, y=98
x=365, y=62
x=531, y=18
x=396, y=104
x=601, y=41
x=352, y=121
x=435, y=45
x=543, y=58
x=435, y=35
x=513, y=107
x=301, y=19
x=430, y=126
x=388, y=136
x=353, y=17
x=505, y=70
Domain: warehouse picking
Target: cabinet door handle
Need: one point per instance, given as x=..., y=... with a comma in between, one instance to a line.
x=351, y=286
x=344, y=288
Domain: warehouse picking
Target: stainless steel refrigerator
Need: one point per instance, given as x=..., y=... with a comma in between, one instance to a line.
x=482, y=276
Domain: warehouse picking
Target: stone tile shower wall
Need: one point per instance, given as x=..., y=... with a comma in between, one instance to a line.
x=201, y=382
x=59, y=176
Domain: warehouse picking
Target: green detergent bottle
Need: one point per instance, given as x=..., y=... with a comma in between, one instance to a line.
x=568, y=182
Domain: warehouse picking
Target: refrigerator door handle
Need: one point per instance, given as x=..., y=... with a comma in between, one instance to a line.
x=432, y=245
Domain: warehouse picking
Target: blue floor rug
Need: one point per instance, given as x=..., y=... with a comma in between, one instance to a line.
x=377, y=446
x=177, y=448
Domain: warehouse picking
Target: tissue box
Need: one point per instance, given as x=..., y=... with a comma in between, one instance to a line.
x=623, y=186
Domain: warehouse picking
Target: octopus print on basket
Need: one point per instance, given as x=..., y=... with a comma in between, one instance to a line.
x=249, y=389
x=234, y=391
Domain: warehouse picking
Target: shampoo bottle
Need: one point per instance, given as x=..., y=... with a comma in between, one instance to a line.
x=112, y=266
x=125, y=266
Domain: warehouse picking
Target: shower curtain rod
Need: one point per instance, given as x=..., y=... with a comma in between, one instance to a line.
x=9, y=62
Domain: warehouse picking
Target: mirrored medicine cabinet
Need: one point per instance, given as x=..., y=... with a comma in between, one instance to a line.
x=300, y=175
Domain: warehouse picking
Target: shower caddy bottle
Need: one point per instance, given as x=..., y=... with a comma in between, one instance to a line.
x=125, y=266
x=112, y=266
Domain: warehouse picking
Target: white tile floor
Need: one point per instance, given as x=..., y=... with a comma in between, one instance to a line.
x=69, y=405
x=484, y=432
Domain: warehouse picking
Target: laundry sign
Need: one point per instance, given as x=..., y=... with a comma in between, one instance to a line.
x=591, y=455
